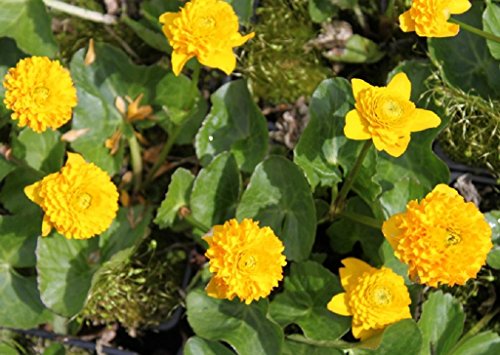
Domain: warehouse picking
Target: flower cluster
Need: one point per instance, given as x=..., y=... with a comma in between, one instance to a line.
x=443, y=239
x=373, y=297
x=80, y=201
x=40, y=92
x=205, y=29
x=246, y=260
x=386, y=115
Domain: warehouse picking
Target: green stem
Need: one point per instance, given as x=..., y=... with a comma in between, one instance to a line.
x=136, y=160
x=476, y=31
x=163, y=154
x=367, y=221
x=338, y=203
x=195, y=223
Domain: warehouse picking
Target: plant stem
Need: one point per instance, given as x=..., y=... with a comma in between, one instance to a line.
x=338, y=203
x=81, y=13
x=476, y=31
x=188, y=217
x=476, y=328
x=136, y=161
x=367, y=221
x=163, y=153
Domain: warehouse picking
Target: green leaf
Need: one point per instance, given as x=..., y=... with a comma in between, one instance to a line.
x=12, y=195
x=493, y=218
x=279, y=197
x=18, y=236
x=153, y=38
x=391, y=261
x=358, y=49
x=42, y=151
x=67, y=268
x=111, y=75
x=6, y=168
x=403, y=337
x=243, y=8
x=441, y=323
x=244, y=327
x=465, y=59
x=308, y=290
x=216, y=191
x=345, y=233
x=295, y=348
x=28, y=23
x=7, y=348
x=177, y=196
x=199, y=346
x=234, y=124
x=55, y=349
x=491, y=23
x=485, y=343
x=20, y=305
x=321, y=10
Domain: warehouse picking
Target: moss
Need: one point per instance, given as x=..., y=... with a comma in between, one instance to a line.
x=140, y=294
x=473, y=133
x=278, y=66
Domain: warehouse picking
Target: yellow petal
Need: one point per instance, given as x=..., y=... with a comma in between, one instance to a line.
x=354, y=127
x=31, y=192
x=398, y=148
x=359, y=85
x=224, y=60
x=445, y=189
x=168, y=18
x=423, y=119
x=391, y=230
x=75, y=159
x=406, y=22
x=178, y=61
x=338, y=304
x=238, y=39
x=400, y=86
x=216, y=288
x=46, y=226
x=353, y=269
x=459, y=6
x=364, y=334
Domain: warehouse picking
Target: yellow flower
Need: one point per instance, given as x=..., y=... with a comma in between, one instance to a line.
x=386, y=115
x=444, y=240
x=429, y=18
x=40, y=92
x=205, y=29
x=80, y=201
x=246, y=260
x=375, y=298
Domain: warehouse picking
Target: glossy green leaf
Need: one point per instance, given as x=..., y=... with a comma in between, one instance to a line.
x=244, y=9
x=278, y=196
x=42, y=151
x=441, y=323
x=216, y=191
x=18, y=236
x=345, y=233
x=296, y=348
x=199, y=346
x=12, y=195
x=66, y=268
x=491, y=24
x=308, y=290
x=177, y=196
x=493, y=219
x=403, y=337
x=391, y=261
x=152, y=37
x=245, y=327
x=465, y=59
x=321, y=10
x=234, y=124
x=485, y=343
x=358, y=49
x=112, y=74
x=28, y=22
x=6, y=168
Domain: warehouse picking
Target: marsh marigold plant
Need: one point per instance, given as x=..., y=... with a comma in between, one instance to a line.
x=443, y=239
x=429, y=18
x=79, y=201
x=205, y=29
x=375, y=298
x=386, y=115
x=245, y=259
x=40, y=93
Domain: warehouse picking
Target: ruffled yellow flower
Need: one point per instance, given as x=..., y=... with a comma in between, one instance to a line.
x=205, y=29
x=40, y=92
x=80, y=201
x=375, y=298
x=429, y=18
x=443, y=239
x=246, y=260
x=386, y=115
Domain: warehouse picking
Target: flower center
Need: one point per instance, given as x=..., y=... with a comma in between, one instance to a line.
x=207, y=22
x=452, y=238
x=84, y=201
x=391, y=109
x=246, y=262
x=40, y=94
x=382, y=296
